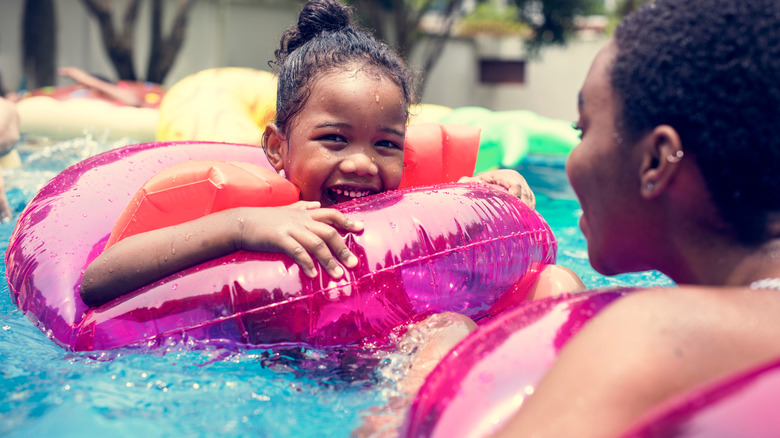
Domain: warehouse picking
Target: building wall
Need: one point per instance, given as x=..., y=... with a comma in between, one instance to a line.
x=245, y=34
x=552, y=80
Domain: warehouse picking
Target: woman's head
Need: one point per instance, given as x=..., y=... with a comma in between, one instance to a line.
x=323, y=40
x=709, y=69
x=342, y=107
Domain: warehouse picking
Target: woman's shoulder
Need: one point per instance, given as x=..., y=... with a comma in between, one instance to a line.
x=687, y=335
x=693, y=305
x=703, y=311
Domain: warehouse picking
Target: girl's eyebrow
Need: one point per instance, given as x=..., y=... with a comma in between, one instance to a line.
x=400, y=133
x=333, y=125
x=343, y=125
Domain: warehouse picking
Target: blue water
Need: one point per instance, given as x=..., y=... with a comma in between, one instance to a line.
x=47, y=391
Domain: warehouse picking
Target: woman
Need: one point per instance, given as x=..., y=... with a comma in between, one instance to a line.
x=678, y=170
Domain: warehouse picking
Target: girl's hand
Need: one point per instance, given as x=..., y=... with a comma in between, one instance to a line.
x=509, y=179
x=300, y=230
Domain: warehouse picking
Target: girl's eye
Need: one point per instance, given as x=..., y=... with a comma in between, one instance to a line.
x=389, y=144
x=577, y=127
x=332, y=137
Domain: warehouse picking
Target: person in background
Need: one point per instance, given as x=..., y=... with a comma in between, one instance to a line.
x=9, y=136
x=103, y=87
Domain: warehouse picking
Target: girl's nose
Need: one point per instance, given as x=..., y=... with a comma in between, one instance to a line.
x=359, y=163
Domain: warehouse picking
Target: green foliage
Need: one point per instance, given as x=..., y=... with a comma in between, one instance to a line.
x=486, y=19
x=553, y=20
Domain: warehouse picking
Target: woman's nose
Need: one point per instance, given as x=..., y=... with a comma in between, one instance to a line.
x=360, y=163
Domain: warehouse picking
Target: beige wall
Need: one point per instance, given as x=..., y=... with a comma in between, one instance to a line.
x=551, y=85
x=243, y=33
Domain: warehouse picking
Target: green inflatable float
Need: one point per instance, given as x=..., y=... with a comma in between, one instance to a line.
x=508, y=136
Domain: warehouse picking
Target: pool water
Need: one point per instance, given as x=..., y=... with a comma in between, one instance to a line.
x=289, y=391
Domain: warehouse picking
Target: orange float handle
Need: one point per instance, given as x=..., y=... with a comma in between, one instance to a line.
x=436, y=153
x=193, y=189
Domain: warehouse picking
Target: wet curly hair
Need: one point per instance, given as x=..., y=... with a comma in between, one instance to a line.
x=711, y=70
x=325, y=38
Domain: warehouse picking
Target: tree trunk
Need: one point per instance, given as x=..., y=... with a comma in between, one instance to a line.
x=435, y=45
x=119, y=46
x=39, y=43
x=406, y=16
x=164, y=50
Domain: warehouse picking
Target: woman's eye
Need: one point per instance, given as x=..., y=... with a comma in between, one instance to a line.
x=577, y=127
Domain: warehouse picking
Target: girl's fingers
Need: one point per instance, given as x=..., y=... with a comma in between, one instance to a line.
x=317, y=238
x=322, y=242
x=337, y=219
x=300, y=255
x=305, y=205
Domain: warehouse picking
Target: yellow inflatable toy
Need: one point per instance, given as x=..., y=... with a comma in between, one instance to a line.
x=222, y=104
x=427, y=113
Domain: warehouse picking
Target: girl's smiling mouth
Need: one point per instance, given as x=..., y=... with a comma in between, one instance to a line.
x=339, y=194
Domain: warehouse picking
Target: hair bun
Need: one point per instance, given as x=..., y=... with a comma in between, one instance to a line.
x=316, y=17
x=319, y=16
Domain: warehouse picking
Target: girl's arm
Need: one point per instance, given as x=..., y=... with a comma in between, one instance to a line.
x=302, y=230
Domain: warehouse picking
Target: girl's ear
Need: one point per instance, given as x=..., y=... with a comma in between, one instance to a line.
x=662, y=152
x=273, y=143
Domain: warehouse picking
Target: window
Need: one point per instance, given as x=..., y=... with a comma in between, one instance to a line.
x=500, y=71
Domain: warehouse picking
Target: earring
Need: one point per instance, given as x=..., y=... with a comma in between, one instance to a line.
x=676, y=157
x=649, y=186
x=281, y=173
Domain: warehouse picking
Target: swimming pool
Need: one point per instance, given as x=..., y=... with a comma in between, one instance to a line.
x=288, y=391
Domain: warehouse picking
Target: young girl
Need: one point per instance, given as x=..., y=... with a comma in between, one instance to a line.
x=339, y=134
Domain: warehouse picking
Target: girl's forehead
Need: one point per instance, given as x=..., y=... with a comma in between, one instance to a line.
x=353, y=71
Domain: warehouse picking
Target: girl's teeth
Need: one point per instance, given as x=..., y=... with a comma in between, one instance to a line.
x=352, y=193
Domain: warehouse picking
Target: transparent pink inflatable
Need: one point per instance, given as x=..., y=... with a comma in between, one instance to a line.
x=479, y=385
x=483, y=381
x=451, y=247
x=743, y=405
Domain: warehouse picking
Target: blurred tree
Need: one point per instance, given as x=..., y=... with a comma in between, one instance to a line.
x=626, y=7
x=552, y=21
x=399, y=24
x=120, y=43
x=38, y=43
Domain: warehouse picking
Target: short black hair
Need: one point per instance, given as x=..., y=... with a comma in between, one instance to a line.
x=711, y=70
x=324, y=39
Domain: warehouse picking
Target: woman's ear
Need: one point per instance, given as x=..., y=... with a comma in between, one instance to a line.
x=662, y=152
x=273, y=142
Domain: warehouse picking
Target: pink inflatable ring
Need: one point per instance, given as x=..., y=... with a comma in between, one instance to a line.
x=452, y=247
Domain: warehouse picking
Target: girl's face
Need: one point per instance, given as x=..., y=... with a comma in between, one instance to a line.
x=348, y=139
x=603, y=172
